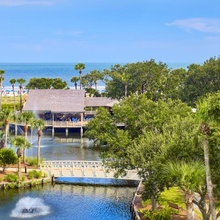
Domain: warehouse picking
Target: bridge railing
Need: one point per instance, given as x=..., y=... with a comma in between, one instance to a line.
x=78, y=168
x=71, y=163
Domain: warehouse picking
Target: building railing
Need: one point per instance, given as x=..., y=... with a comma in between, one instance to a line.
x=65, y=123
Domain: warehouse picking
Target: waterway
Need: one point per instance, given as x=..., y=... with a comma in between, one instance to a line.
x=66, y=201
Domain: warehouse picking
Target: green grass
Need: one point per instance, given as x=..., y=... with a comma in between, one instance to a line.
x=10, y=99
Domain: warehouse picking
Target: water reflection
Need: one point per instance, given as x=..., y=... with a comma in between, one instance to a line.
x=62, y=148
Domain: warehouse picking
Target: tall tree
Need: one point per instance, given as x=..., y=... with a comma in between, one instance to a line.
x=74, y=80
x=1, y=80
x=96, y=75
x=28, y=119
x=208, y=112
x=20, y=143
x=80, y=67
x=13, y=81
x=39, y=124
x=21, y=81
x=6, y=115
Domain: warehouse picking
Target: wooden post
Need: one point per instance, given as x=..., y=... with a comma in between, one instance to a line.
x=53, y=130
x=67, y=132
x=52, y=179
x=81, y=127
x=16, y=129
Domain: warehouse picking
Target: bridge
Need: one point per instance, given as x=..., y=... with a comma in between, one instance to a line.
x=79, y=168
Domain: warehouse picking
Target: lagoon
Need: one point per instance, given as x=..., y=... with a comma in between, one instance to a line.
x=67, y=201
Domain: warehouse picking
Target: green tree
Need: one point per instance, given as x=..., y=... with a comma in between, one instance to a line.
x=58, y=83
x=190, y=177
x=20, y=143
x=202, y=79
x=208, y=112
x=96, y=76
x=74, y=80
x=28, y=119
x=80, y=67
x=39, y=123
x=13, y=81
x=6, y=115
x=1, y=80
x=7, y=157
x=21, y=81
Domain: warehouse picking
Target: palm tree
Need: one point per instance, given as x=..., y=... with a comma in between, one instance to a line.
x=203, y=116
x=21, y=81
x=80, y=67
x=20, y=143
x=6, y=115
x=28, y=119
x=96, y=75
x=1, y=80
x=75, y=80
x=189, y=177
x=39, y=123
x=13, y=81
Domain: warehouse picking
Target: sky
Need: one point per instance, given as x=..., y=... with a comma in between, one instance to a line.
x=109, y=31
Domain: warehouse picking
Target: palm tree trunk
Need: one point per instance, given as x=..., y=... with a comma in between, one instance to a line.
x=189, y=205
x=208, y=178
x=14, y=99
x=24, y=149
x=126, y=90
x=20, y=98
x=80, y=79
x=38, y=151
x=6, y=133
x=1, y=94
x=19, y=163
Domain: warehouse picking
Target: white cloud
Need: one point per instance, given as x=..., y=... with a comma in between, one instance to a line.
x=198, y=24
x=27, y=2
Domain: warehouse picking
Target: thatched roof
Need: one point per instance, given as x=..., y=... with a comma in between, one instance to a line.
x=55, y=100
x=99, y=102
x=63, y=101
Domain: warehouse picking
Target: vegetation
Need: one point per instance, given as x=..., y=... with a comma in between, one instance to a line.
x=7, y=157
x=35, y=174
x=154, y=130
x=155, y=135
x=46, y=83
x=11, y=178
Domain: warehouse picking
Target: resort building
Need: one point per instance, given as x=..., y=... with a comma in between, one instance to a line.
x=65, y=108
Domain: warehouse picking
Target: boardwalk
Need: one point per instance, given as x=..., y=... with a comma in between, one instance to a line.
x=76, y=168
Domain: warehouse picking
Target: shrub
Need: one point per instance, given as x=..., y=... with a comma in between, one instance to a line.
x=35, y=174
x=7, y=157
x=33, y=161
x=11, y=178
x=160, y=214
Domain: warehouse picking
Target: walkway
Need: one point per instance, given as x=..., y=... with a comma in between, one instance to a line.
x=77, y=168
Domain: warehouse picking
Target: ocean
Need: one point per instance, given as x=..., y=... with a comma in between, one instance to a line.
x=65, y=71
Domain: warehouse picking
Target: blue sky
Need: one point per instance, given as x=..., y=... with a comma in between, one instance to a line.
x=109, y=31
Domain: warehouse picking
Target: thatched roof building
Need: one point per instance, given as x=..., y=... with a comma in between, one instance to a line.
x=63, y=101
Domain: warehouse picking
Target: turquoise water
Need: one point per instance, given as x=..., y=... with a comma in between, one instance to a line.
x=64, y=71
